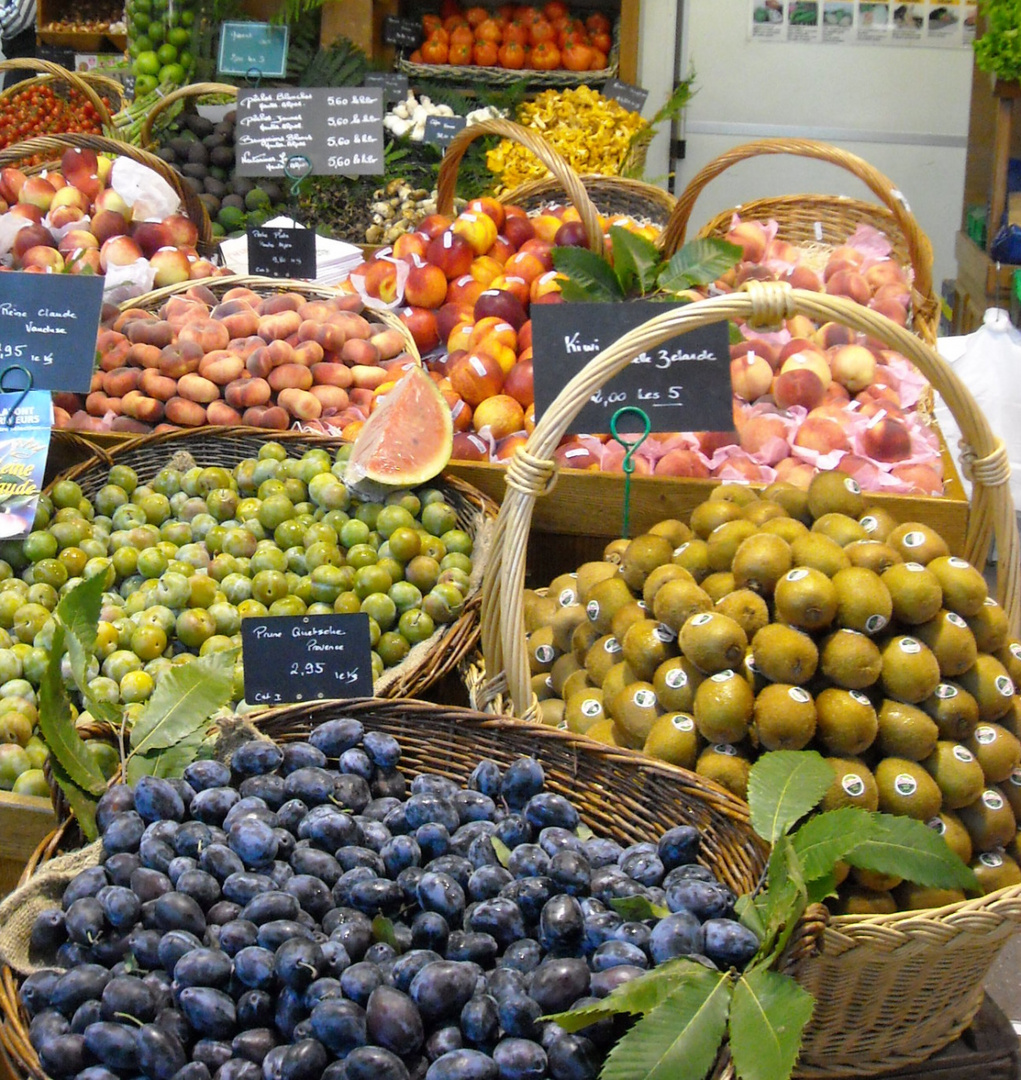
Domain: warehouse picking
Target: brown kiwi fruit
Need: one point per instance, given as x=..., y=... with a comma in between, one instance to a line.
x=635, y=709
x=624, y=618
x=995, y=870
x=660, y=576
x=711, y=514
x=750, y=670
x=642, y=556
x=718, y=585
x=850, y=660
x=872, y=555
x=604, y=600
x=565, y=622
x=760, y=562
x=564, y=665
x=724, y=541
x=723, y=707
x=551, y=713
x=646, y=645
x=990, y=627
x=858, y=901
x=1011, y=719
x=674, y=738
x=913, y=897
x=693, y=555
x=989, y=684
x=539, y=610
x=905, y=731
x=989, y=820
x=906, y=788
x=853, y=785
x=564, y=589
x=584, y=637
x=541, y=650
x=619, y=676
x=583, y=709
x=878, y=523
x=805, y=598
x=784, y=654
x=675, y=532
x=784, y=717
x=614, y=551
x=951, y=642
x=740, y=494
x=758, y=513
x=577, y=680
x=677, y=600
x=712, y=642
x=840, y=527
x=874, y=880
x=998, y=751
x=910, y=671
x=957, y=774
x=1011, y=788
x=954, y=710
x=604, y=731
x=914, y=591
x=727, y=766
x=542, y=686
x=748, y=609
x=675, y=682
x=590, y=574
x=604, y=652
x=787, y=528
x=917, y=542
x=948, y=825
x=819, y=553
x=834, y=492
x=863, y=601
x=964, y=588
x=1010, y=657
x=846, y=721
x=793, y=499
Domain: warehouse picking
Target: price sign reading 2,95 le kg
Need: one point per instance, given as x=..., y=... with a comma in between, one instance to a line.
x=306, y=658
x=682, y=384
x=339, y=130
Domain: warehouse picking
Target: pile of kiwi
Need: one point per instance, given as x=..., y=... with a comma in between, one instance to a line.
x=791, y=619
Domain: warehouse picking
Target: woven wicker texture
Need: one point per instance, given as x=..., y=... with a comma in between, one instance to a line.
x=182, y=93
x=428, y=661
x=52, y=146
x=609, y=194
x=567, y=179
x=56, y=73
x=827, y=219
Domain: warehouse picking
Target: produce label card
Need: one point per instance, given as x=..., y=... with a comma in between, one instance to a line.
x=682, y=385
x=256, y=49
x=440, y=130
x=405, y=33
x=48, y=325
x=394, y=85
x=25, y=423
x=630, y=96
x=282, y=252
x=306, y=658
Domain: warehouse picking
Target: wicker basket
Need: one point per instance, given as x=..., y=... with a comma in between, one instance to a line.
x=610, y=194
x=52, y=146
x=822, y=219
x=181, y=94
x=427, y=662
x=54, y=73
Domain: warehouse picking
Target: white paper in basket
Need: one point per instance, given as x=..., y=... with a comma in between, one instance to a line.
x=150, y=197
x=125, y=282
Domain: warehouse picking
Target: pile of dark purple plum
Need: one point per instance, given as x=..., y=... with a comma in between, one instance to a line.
x=308, y=913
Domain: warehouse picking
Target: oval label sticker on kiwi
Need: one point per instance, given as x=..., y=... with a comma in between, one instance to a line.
x=1005, y=684
x=545, y=653
x=548, y=681
x=796, y=574
x=945, y=691
x=723, y=676
x=701, y=618
x=957, y=563
x=644, y=606
x=683, y=722
x=852, y=485
x=962, y=753
x=938, y=825
x=857, y=695
x=676, y=678
x=592, y=610
x=797, y=694
x=567, y=597
x=612, y=645
x=853, y=784
x=875, y=623
x=991, y=859
x=645, y=699
x=1015, y=776
x=664, y=634
x=725, y=749
x=591, y=707
x=749, y=663
x=910, y=646
x=914, y=567
x=985, y=736
x=905, y=784
x=680, y=550
x=913, y=539
x=869, y=523
x=1015, y=649
x=992, y=800
x=955, y=620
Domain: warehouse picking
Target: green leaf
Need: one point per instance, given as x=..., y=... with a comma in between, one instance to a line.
x=699, y=262
x=82, y=803
x=79, y=610
x=170, y=761
x=583, y=832
x=680, y=1039
x=635, y=260
x=749, y=915
x=589, y=276
x=822, y=888
x=383, y=930
x=503, y=853
x=57, y=727
x=828, y=837
x=767, y=1017
x=734, y=335
x=911, y=850
x=184, y=699
x=786, y=896
x=637, y=909
x=783, y=786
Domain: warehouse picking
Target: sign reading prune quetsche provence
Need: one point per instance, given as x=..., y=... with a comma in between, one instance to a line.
x=339, y=131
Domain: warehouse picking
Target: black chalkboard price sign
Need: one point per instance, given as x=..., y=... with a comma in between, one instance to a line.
x=306, y=658
x=683, y=384
x=393, y=84
x=406, y=33
x=630, y=96
x=440, y=130
x=282, y=252
x=48, y=325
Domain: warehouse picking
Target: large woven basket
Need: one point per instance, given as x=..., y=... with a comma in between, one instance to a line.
x=167, y=106
x=427, y=662
x=822, y=219
x=892, y=988
x=618, y=794
x=49, y=73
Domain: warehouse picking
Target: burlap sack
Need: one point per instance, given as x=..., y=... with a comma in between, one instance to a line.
x=43, y=890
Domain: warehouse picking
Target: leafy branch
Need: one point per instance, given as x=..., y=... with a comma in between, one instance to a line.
x=670, y=111
x=687, y=1011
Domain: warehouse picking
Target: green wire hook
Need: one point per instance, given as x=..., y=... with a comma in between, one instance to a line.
x=628, y=464
x=295, y=176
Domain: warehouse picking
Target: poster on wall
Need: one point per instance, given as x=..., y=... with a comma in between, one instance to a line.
x=941, y=24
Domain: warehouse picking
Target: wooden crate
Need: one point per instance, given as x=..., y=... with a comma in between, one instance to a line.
x=24, y=821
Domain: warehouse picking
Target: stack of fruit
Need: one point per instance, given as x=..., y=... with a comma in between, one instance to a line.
x=786, y=620
x=40, y=110
x=160, y=42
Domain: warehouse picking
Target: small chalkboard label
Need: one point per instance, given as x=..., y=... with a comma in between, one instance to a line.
x=630, y=96
x=253, y=48
x=306, y=657
x=393, y=85
x=440, y=130
x=407, y=33
x=48, y=325
x=683, y=384
x=282, y=252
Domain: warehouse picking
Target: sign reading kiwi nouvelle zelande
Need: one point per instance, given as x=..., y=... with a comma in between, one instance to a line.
x=257, y=49
x=339, y=131
x=682, y=385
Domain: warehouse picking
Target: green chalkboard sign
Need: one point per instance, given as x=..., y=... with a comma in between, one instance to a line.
x=256, y=49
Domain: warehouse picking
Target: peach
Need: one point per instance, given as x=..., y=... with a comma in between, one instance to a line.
x=280, y=324
x=37, y=191
x=184, y=413
x=800, y=326
x=287, y=376
x=836, y=393
x=111, y=201
x=476, y=376
x=758, y=435
x=468, y=446
x=280, y=302
x=831, y=334
x=486, y=204
x=421, y=323
x=208, y=335
x=182, y=230
x=519, y=382
x=501, y=414
x=11, y=183
x=157, y=386
x=887, y=272
x=886, y=439
x=381, y=280
x=426, y=286
x=922, y=478
x=220, y=414
x=513, y=283
x=201, y=269
x=359, y=352
x=331, y=374
x=389, y=342
x=144, y=356
x=308, y=353
x=464, y=291
x=329, y=336
x=68, y=196
x=150, y=237
x=333, y=399
x=300, y=403
x=221, y=366
x=460, y=411
x=107, y=224
x=891, y=307
x=149, y=332
x=796, y=345
x=316, y=311
x=243, y=393
x=459, y=338
x=853, y=366
x=748, y=271
x=118, y=382
x=546, y=226
x=849, y=283
x=485, y=268
x=810, y=360
x=501, y=250
x=29, y=237
x=240, y=318
x=500, y=304
x=118, y=251
x=83, y=261
x=681, y=462
x=569, y=455
x=244, y=347
x=525, y=265
x=451, y=253
x=43, y=257
x=180, y=308
x=757, y=347
x=433, y=225
x=750, y=376
x=180, y=359
x=28, y=212
x=98, y=403
x=195, y=388
x=129, y=424
x=541, y=249
x=802, y=277
x=821, y=434
x=111, y=348
x=494, y=328
x=368, y=377
x=751, y=237
x=354, y=325
x=140, y=407
x=61, y=417
x=518, y=229
x=410, y=244
x=478, y=229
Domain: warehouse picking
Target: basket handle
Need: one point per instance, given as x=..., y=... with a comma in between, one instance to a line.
x=192, y=90
x=29, y=63
x=555, y=162
x=880, y=185
x=532, y=470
